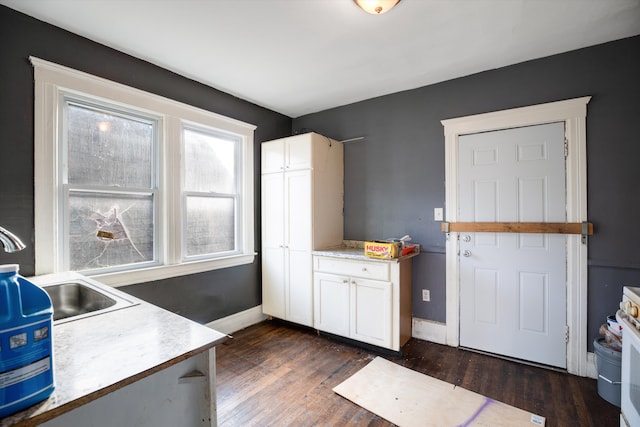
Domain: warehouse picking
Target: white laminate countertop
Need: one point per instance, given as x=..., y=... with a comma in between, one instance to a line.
x=96, y=355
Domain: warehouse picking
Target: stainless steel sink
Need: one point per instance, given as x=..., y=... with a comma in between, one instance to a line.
x=75, y=298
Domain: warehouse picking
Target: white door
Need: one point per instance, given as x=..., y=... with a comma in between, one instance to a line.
x=513, y=286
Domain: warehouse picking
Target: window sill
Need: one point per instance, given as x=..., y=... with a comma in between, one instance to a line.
x=125, y=278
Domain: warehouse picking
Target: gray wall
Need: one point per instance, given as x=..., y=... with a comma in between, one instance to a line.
x=395, y=176
x=201, y=297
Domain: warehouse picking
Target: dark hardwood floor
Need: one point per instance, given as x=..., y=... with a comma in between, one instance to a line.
x=278, y=374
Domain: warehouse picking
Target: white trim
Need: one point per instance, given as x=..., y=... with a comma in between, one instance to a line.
x=428, y=330
x=143, y=275
x=238, y=321
x=573, y=113
x=53, y=81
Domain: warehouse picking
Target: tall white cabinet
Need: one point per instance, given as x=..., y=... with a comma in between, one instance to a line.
x=302, y=210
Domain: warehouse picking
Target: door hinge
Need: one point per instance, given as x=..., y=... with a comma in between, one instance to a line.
x=566, y=333
x=566, y=148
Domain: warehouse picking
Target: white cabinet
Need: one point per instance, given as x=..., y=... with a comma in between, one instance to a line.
x=302, y=201
x=292, y=153
x=365, y=300
x=180, y=395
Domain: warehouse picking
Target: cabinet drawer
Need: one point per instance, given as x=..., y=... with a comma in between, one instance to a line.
x=369, y=270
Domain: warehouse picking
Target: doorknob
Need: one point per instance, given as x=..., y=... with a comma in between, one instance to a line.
x=466, y=238
x=466, y=253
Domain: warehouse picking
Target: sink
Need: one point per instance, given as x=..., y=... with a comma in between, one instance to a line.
x=77, y=297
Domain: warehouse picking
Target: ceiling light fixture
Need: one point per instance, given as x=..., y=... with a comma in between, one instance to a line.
x=376, y=7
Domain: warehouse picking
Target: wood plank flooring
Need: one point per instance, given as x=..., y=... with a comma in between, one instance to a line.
x=278, y=374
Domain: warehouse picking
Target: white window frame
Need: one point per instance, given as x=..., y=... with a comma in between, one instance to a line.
x=53, y=81
x=238, y=201
x=66, y=188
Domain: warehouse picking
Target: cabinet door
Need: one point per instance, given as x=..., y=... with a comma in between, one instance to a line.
x=331, y=301
x=371, y=308
x=272, y=156
x=298, y=247
x=171, y=397
x=273, y=251
x=298, y=152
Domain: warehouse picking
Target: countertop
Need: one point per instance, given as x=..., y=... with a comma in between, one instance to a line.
x=352, y=251
x=100, y=354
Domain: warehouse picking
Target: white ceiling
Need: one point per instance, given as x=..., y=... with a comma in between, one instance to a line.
x=302, y=56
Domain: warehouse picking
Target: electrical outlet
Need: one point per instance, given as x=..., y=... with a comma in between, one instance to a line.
x=437, y=214
x=426, y=295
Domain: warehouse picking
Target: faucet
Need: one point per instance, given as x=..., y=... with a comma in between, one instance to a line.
x=10, y=242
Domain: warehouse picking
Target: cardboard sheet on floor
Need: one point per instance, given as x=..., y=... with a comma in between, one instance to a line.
x=408, y=398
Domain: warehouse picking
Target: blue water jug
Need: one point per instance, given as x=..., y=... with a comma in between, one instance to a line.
x=26, y=326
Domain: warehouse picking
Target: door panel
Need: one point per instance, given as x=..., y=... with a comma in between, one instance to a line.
x=273, y=282
x=273, y=256
x=332, y=303
x=298, y=243
x=534, y=306
x=298, y=153
x=272, y=157
x=513, y=286
x=486, y=296
x=371, y=311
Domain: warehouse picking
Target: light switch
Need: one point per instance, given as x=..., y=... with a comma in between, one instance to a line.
x=437, y=214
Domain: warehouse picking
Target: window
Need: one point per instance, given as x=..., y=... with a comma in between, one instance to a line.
x=210, y=192
x=109, y=188
x=132, y=187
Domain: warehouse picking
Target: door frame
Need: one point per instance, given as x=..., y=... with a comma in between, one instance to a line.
x=573, y=112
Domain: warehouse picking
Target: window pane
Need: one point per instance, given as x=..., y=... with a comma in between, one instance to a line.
x=109, y=230
x=210, y=225
x=210, y=162
x=108, y=149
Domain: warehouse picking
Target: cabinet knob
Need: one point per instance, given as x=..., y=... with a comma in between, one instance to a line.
x=345, y=281
x=364, y=268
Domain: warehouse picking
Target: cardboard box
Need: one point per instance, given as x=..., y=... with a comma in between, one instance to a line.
x=382, y=249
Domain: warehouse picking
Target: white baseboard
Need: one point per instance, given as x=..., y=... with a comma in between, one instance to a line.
x=429, y=330
x=238, y=321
